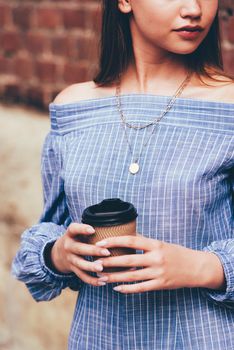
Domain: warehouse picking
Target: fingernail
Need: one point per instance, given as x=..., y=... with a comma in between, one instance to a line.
x=98, y=262
x=118, y=288
x=90, y=229
x=99, y=274
x=103, y=279
x=101, y=283
x=105, y=252
x=101, y=243
x=99, y=267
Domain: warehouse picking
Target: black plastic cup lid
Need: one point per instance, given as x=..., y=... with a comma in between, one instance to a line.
x=109, y=212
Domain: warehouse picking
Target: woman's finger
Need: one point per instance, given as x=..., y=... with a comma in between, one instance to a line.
x=75, y=229
x=80, y=248
x=129, y=276
x=130, y=260
x=87, y=278
x=137, y=287
x=83, y=264
x=135, y=242
x=100, y=274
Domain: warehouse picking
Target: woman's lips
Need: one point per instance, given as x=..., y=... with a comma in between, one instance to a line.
x=188, y=35
x=189, y=32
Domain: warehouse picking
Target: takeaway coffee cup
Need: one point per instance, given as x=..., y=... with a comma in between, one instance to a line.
x=111, y=217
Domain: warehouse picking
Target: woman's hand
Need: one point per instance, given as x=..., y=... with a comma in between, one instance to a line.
x=163, y=266
x=68, y=251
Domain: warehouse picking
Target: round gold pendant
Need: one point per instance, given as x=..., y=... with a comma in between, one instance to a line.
x=134, y=168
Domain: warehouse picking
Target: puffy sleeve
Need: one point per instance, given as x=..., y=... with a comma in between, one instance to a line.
x=29, y=264
x=224, y=249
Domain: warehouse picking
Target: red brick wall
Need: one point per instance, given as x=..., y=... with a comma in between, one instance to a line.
x=45, y=46
x=48, y=44
x=227, y=17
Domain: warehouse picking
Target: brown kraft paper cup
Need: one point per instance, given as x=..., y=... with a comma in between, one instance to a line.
x=113, y=212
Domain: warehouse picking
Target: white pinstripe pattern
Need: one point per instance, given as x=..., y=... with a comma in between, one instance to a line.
x=184, y=194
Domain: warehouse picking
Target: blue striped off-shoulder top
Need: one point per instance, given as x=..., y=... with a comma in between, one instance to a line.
x=184, y=194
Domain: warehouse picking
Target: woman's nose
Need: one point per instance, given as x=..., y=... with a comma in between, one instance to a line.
x=191, y=8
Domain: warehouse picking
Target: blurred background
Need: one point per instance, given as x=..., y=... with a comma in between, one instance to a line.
x=44, y=46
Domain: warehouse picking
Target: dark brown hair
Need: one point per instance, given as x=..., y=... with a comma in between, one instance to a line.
x=116, y=47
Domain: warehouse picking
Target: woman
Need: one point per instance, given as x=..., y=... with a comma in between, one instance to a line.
x=156, y=128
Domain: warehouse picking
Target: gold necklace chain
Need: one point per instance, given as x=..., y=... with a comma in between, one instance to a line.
x=134, y=166
x=168, y=107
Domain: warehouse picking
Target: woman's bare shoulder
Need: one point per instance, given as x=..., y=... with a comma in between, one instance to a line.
x=80, y=92
x=224, y=88
x=220, y=89
x=225, y=92
x=229, y=92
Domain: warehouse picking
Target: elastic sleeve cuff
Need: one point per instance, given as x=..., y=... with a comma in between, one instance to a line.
x=47, y=264
x=222, y=296
x=69, y=279
x=29, y=265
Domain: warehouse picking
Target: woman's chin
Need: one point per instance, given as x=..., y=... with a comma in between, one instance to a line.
x=185, y=50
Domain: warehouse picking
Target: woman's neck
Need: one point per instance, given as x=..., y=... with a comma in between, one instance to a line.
x=153, y=78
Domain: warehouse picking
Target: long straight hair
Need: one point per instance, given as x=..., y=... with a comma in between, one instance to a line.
x=116, y=49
